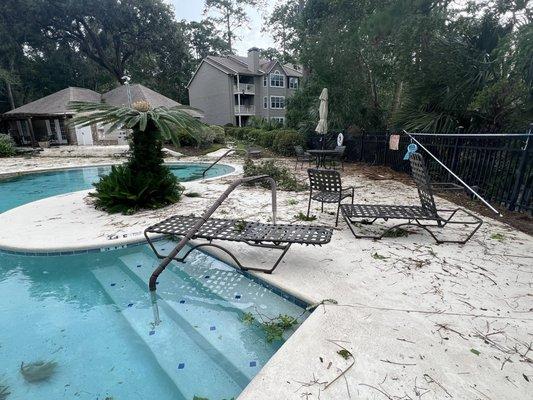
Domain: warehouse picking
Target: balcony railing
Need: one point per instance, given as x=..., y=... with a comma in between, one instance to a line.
x=244, y=110
x=247, y=88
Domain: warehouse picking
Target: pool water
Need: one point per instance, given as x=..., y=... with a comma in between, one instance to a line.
x=23, y=189
x=91, y=314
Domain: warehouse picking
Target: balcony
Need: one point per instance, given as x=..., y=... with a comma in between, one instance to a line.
x=246, y=88
x=244, y=110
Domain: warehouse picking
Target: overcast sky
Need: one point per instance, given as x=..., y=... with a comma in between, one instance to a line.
x=192, y=10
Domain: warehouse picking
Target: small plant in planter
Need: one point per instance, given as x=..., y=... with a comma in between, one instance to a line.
x=144, y=182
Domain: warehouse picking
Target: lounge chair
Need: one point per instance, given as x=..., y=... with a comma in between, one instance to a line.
x=302, y=156
x=326, y=187
x=427, y=211
x=256, y=234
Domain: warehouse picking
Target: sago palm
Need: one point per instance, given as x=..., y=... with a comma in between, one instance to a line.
x=144, y=181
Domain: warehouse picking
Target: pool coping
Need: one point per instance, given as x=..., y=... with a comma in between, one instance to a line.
x=7, y=175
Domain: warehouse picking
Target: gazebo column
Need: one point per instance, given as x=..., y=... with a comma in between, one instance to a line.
x=32, y=135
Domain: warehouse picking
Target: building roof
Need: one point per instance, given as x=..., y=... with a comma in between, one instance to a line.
x=119, y=97
x=233, y=64
x=56, y=103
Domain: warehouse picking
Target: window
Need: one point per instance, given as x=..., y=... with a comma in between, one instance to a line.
x=277, y=80
x=277, y=102
x=293, y=83
x=264, y=81
x=265, y=102
x=279, y=120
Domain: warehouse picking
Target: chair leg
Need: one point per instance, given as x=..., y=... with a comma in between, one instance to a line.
x=309, y=206
x=322, y=206
x=337, y=219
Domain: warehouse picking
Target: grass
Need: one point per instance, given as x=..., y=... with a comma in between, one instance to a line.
x=302, y=217
x=497, y=236
x=396, y=233
x=193, y=194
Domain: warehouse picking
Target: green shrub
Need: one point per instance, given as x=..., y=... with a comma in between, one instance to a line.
x=285, y=140
x=284, y=178
x=220, y=135
x=124, y=191
x=7, y=146
x=265, y=138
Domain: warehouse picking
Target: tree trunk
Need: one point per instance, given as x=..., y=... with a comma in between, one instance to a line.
x=10, y=96
x=8, y=85
x=397, y=98
x=228, y=27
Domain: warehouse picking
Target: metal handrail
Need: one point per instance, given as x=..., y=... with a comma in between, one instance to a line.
x=218, y=159
x=203, y=219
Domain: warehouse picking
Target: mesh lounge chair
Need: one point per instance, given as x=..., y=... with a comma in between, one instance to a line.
x=326, y=187
x=256, y=234
x=427, y=211
x=302, y=156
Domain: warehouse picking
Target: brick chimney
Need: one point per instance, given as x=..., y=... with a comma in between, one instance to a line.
x=253, y=59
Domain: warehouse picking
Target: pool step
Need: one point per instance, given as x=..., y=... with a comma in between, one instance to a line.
x=180, y=351
x=213, y=316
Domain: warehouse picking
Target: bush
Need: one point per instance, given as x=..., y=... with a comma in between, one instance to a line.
x=285, y=140
x=283, y=177
x=220, y=135
x=7, y=146
x=124, y=191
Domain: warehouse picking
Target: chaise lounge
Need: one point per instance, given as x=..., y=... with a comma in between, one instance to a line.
x=425, y=216
x=256, y=234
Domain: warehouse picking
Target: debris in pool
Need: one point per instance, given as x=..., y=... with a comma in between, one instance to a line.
x=4, y=391
x=38, y=370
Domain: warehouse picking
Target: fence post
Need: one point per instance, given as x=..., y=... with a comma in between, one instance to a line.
x=455, y=158
x=519, y=177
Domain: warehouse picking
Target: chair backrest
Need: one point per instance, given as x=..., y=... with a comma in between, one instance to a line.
x=299, y=150
x=324, y=180
x=423, y=182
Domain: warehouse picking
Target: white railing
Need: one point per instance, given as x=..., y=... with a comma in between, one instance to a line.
x=242, y=110
x=244, y=87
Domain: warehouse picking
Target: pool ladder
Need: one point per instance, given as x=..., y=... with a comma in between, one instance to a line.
x=217, y=160
x=201, y=221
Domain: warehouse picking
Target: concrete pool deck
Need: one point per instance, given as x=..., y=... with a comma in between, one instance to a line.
x=421, y=320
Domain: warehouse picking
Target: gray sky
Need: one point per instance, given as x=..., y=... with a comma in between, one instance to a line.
x=192, y=10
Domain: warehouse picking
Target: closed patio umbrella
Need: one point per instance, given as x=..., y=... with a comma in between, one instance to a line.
x=322, y=127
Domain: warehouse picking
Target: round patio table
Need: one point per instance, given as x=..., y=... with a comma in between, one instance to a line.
x=321, y=156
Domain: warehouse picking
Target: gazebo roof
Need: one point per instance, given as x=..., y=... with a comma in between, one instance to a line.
x=55, y=103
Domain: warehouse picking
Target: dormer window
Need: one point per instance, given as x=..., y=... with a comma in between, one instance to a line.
x=277, y=80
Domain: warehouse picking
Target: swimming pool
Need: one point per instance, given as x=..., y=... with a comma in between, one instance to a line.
x=91, y=314
x=26, y=188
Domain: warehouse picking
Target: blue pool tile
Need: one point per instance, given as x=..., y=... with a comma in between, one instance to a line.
x=151, y=333
x=238, y=296
x=207, y=277
x=139, y=265
x=113, y=284
x=212, y=328
x=130, y=305
x=253, y=363
x=181, y=365
x=182, y=301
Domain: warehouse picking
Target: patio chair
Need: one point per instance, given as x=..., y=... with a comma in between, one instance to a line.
x=302, y=156
x=326, y=187
x=256, y=234
x=338, y=158
x=415, y=215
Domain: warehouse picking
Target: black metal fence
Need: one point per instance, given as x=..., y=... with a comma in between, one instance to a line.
x=500, y=167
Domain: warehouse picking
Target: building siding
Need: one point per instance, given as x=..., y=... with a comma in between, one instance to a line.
x=211, y=91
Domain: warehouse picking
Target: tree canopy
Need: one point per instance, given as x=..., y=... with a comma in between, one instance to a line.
x=416, y=64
